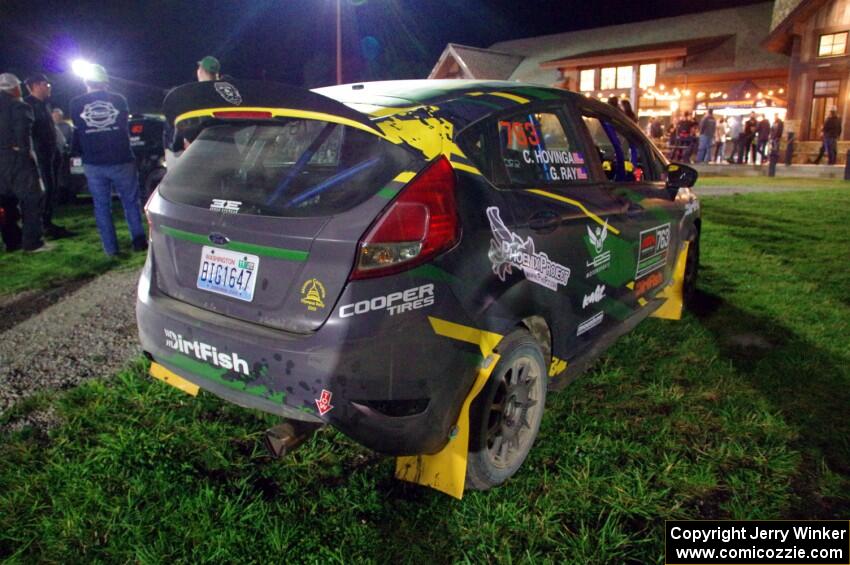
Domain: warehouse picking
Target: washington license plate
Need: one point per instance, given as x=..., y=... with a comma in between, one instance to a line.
x=228, y=273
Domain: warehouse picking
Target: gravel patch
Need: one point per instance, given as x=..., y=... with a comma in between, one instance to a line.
x=87, y=333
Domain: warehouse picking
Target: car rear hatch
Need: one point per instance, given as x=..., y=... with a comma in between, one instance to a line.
x=259, y=219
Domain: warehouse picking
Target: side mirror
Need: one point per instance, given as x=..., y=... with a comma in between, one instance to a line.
x=681, y=176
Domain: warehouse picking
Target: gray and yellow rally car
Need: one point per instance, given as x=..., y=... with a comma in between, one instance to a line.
x=414, y=263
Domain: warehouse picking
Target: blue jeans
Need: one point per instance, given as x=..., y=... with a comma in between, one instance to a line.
x=704, y=151
x=124, y=179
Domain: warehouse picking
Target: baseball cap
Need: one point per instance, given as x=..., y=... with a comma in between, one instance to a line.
x=210, y=64
x=36, y=78
x=8, y=81
x=97, y=73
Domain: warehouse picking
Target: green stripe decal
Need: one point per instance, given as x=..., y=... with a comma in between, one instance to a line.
x=388, y=192
x=217, y=375
x=265, y=251
x=480, y=103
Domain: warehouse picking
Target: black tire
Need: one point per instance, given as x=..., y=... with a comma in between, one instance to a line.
x=151, y=182
x=689, y=285
x=505, y=418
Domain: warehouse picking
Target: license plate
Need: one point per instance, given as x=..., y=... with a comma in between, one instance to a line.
x=228, y=273
x=76, y=162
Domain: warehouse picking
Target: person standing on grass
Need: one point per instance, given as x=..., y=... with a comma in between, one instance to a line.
x=20, y=184
x=720, y=140
x=763, y=132
x=748, y=133
x=44, y=144
x=776, y=131
x=830, y=132
x=102, y=138
x=707, y=131
x=734, y=133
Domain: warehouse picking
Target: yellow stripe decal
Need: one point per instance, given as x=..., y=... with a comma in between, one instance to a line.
x=161, y=373
x=404, y=177
x=467, y=168
x=578, y=205
x=509, y=96
x=642, y=301
x=279, y=112
x=631, y=285
x=487, y=341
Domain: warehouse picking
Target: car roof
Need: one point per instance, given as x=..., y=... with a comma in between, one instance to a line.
x=403, y=94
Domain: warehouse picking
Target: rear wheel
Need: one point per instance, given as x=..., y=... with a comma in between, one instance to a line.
x=505, y=418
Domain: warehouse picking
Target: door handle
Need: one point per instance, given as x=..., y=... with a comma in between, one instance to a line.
x=544, y=222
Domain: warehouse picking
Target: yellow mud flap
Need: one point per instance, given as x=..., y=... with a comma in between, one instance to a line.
x=673, y=293
x=161, y=373
x=445, y=471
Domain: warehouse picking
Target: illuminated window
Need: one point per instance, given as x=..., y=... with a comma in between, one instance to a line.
x=647, y=75
x=608, y=78
x=625, y=77
x=832, y=44
x=587, y=79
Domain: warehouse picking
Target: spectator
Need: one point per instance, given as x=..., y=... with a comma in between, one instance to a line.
x=655, y=128
x=684, y=139
x=627, y=110
x=748, y=133
x=64, y=136
x=763, y=132
x=734, y=133
x=209, y=68
x=20, y=185
x=44, y=144
x=707, y=131
x=776, y=131
x=830, y=132
x=720, y=140
x=615, y=102
x=103, y=140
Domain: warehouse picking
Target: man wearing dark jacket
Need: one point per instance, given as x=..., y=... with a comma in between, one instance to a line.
x=20, y=184
x=44, y=144
x=102, y=137
x=831, y=132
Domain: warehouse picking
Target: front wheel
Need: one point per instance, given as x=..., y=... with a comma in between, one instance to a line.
x=505, y=418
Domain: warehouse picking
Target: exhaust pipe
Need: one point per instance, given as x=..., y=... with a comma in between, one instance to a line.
x=286, y=436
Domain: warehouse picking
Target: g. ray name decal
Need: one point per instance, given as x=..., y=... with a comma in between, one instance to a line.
x=508, y=250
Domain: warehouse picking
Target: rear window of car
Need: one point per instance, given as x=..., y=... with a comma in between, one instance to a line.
x=285, y=168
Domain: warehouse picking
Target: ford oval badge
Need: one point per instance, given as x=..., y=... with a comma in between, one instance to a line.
x=219, y=239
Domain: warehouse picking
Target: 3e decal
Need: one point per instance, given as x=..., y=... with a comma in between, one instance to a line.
x=508, y=250
x=225, y=206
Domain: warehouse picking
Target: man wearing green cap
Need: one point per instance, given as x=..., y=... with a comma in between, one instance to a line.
x=102, y=137
x=209, y=68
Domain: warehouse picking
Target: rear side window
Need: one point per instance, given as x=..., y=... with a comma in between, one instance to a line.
x=527, y=149
x=284, y=168
x=625, y=154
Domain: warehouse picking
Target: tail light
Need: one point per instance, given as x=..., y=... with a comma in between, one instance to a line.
x=420, y=223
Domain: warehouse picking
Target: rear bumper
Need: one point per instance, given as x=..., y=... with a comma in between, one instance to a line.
x=389, y=382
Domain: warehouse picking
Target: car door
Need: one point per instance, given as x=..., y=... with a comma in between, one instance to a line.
x=554, y=197
x=635, y=174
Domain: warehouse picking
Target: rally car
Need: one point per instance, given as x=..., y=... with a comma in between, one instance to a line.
x=414, y=263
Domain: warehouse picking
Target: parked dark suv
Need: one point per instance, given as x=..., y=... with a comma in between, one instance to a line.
x=414, y=263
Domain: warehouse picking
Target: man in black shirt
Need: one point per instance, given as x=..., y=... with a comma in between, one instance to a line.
x=831, y=132
x=748, y=133
x=19, y=180
x=44, y=144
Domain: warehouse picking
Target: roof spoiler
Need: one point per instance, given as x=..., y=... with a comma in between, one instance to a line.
x=233, y=94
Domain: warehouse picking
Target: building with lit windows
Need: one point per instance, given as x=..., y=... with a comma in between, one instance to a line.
x=786, y=58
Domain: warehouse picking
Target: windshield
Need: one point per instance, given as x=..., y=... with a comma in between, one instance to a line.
x=284, y=168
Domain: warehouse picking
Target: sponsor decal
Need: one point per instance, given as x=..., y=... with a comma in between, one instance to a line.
x=229, y=93
x=647, y=283
x=590, y=323
x=225, y=206
x=652, y=254
x=508, y=250
x=313, y=294
x=594, y=297
x=557, y=367
x=323, y=403
x=601, y=259
x=100, y=115
x=394, y=302
x=205, y=352
x=691, y=207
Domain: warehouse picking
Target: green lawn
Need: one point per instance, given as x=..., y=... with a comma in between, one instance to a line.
x=738, y=411
x=784, y=182
x=74, y=258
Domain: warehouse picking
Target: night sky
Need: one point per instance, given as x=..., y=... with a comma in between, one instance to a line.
x=151, y=45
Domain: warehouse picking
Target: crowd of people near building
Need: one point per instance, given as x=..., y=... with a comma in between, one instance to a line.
x=36, y=144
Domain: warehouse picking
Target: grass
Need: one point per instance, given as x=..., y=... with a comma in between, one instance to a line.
x=739, y=411
x=783, y=182
x=75, y=258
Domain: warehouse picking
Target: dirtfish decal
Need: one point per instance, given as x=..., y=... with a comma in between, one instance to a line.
x=594, y=297
x=205, y=352
x=508, y=250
